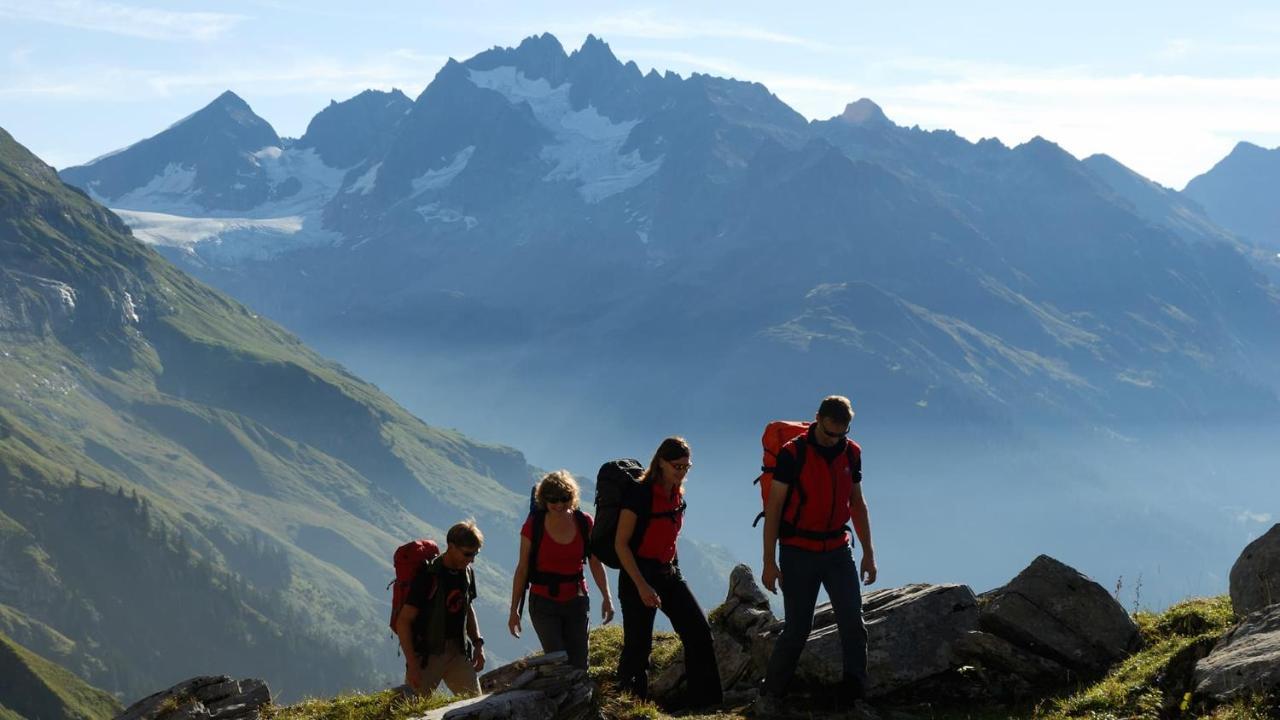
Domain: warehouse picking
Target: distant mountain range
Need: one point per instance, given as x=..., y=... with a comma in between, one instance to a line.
x=559, y=251
x=544, y=205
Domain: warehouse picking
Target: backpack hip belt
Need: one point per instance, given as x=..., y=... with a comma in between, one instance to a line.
x=553, y=581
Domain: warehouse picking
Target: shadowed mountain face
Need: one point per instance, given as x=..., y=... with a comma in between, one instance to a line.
x=561, y=251
x=1239, y=193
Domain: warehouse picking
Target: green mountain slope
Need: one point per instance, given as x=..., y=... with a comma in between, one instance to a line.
x=167, y=456
x=34, y=687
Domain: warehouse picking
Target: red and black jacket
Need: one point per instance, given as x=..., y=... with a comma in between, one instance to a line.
x=819, y=481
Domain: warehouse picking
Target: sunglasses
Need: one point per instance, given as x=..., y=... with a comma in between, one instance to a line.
x=553, y=499
x=469, y=553
x=680, y=466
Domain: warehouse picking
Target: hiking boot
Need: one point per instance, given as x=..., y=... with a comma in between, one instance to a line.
x=769, y=706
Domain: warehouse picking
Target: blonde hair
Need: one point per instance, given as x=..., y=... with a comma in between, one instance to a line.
x=672, y=448
x=465, y=534
x=559, y=480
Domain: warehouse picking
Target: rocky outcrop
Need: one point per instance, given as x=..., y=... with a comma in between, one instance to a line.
x=1055, y=612
x=1044, y=629
x=1246, y=661
x=1255, y=576
x=203, y=698
x=541, y=687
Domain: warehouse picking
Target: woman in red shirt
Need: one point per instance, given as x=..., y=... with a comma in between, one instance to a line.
x=558, y=601
x=648, y=525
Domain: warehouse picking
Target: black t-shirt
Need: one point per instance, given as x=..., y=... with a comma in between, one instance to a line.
x=456, y=588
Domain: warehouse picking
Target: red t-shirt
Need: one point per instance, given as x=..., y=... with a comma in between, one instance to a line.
x=559, y=558
x=659, y=541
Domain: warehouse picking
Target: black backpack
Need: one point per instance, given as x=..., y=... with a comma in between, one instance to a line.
x=613, y=481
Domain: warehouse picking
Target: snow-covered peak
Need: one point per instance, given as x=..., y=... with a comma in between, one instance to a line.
x=587, y=147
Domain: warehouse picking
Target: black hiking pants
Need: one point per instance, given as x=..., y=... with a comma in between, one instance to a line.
x=702, y=674
x=803, y=572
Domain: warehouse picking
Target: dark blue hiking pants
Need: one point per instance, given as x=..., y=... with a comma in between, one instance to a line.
x=803, y=572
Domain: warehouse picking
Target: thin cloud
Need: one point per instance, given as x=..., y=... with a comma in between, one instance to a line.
x=119, y=19
x=405, y=69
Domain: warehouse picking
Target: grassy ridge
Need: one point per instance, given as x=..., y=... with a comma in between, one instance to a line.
x=37, y=688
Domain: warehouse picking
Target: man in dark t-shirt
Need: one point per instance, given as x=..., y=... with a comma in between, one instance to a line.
x=438, y=618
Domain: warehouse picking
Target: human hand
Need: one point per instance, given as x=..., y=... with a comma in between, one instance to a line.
x=771, y=577
x=649, y=596
x=513, y=623
x=477, y=659
x=868, y=568
x=606, y=610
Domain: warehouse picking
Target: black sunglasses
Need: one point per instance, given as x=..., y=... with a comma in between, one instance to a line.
x=551, y=499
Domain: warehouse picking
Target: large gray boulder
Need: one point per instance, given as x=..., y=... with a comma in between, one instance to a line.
x=1054, y=612
x=539, y=687
x=1245, y=661
x=209, y=697
x=911, y=632
x=1255, y=576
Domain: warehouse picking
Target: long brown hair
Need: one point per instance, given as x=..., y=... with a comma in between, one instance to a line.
x=671, y=449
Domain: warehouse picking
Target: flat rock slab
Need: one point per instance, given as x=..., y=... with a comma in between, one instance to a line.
x=1245, y=661
x=1053, y=611
x=1255, y=576
x=516, y=705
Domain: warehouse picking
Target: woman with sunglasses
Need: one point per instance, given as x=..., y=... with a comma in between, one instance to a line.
x=648, y=525
x=553, y=552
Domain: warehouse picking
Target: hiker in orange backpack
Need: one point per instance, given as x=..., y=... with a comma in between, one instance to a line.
x=437, y=626
x=815, y=489
x=650, y=521
x=554, y=548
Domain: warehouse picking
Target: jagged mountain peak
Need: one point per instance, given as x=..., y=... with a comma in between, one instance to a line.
x=864, y=112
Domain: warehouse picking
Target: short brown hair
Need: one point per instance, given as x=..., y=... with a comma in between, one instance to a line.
x=560, y=481
x=836, y=407
x=465, y=534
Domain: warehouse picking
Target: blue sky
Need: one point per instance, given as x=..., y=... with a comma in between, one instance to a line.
x=1167, y=88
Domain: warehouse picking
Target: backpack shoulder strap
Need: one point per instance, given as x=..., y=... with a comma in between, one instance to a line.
x=538, y=528
x=584, y=532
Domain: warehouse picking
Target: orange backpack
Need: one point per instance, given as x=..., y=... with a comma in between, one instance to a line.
x=776, y=434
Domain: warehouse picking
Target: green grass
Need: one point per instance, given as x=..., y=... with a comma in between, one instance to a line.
x=1129, y=691
x=385, y=705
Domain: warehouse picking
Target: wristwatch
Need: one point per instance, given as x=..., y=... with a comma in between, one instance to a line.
x=477, y=642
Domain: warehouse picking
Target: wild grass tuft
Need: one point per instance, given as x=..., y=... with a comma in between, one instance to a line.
x=385, y=705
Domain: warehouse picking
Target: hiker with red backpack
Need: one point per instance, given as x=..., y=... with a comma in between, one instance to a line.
x=649, y=522
x=436, y=623
x=812, y=489
x=554, y=549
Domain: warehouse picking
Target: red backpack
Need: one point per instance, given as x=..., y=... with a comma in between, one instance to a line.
x=776, y=434
x=409, y=559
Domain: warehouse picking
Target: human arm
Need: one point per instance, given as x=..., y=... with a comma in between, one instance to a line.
x=473, y=632
x=519, y=582
x=771, y=575
x=861, y=519
x=602, y=582
x=404, y=631
x=622, y=545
